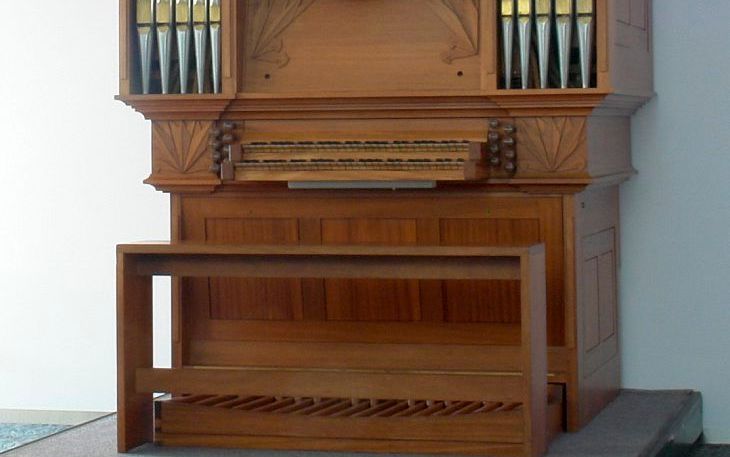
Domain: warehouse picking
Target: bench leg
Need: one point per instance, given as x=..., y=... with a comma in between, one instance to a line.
x=134, y=350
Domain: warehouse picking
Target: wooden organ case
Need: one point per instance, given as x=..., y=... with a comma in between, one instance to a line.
x=338, y=129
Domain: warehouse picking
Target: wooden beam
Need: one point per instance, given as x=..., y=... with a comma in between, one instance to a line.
x=330, y=266
x=504, y=387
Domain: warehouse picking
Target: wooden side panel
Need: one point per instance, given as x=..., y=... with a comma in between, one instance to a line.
x=596, y=259
x=630, y=47
x=599, y=300
x=609, y=146
x=134, y=351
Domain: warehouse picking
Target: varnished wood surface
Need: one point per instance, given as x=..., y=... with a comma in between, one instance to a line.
x=134, y=351
x=326, y=383
x=440, y=51
x=370, y=219
x=167, y=248
x=503, y=383
x=341, y=445
x=497, y=427
x=432, y=75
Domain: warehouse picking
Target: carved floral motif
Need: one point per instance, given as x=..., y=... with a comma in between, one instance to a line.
x=270, y=18
x=180, y=147
x=552, y=144
x=462, y=19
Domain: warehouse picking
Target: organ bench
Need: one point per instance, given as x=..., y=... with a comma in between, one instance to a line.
x=381, y=396
x=311, y=133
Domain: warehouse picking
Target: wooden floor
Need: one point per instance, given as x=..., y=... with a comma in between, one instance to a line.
x=637, y=424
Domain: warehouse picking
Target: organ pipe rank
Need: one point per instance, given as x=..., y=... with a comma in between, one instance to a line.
x=176, y=24
x=538, y=19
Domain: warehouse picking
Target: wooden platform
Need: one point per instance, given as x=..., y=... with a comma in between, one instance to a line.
x=636, y=424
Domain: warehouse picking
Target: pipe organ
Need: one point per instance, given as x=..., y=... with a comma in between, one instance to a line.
x=394, y=224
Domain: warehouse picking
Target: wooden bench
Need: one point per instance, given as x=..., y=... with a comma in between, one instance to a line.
x=472, y=399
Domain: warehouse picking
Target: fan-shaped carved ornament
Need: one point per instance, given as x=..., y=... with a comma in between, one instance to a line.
x=270, y=18
x=462, y=19
x=552, y=145
x=181, y=148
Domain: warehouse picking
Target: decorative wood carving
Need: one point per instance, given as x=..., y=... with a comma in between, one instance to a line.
x=180, y=148
x=552, y=145
x=462, y=18
x=270, y=18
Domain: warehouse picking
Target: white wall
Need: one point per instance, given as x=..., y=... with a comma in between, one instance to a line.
x=72, y=161
x=676, y=215
x=71, y=164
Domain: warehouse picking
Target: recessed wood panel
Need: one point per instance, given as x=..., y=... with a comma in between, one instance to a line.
x=485, y=301
x=390, y=232
x=606, y=296
x=482, y=301
x=254, y=299
x=258, y=299
x=489, y=232
x=591, y=304
x=379, y=218
x=366, y=299
x=372, y=300
x=252, y=231
x=599, y=299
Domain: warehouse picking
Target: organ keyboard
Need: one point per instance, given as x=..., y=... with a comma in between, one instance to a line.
x=371, y=160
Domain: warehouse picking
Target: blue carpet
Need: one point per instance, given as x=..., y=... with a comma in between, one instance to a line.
x=14, y=435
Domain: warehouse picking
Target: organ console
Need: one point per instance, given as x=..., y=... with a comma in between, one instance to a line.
x=394, y=223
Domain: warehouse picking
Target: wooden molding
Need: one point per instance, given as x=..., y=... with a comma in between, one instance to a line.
x=178, y=107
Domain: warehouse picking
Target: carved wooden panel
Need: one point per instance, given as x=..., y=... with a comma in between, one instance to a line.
x=307, y=46
x=551, y=146
x=269, y=20
x=462, y=18
x=180, y=148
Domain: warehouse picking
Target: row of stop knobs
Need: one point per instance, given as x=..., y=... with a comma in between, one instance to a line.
x=501, y=146
x=221, y=136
